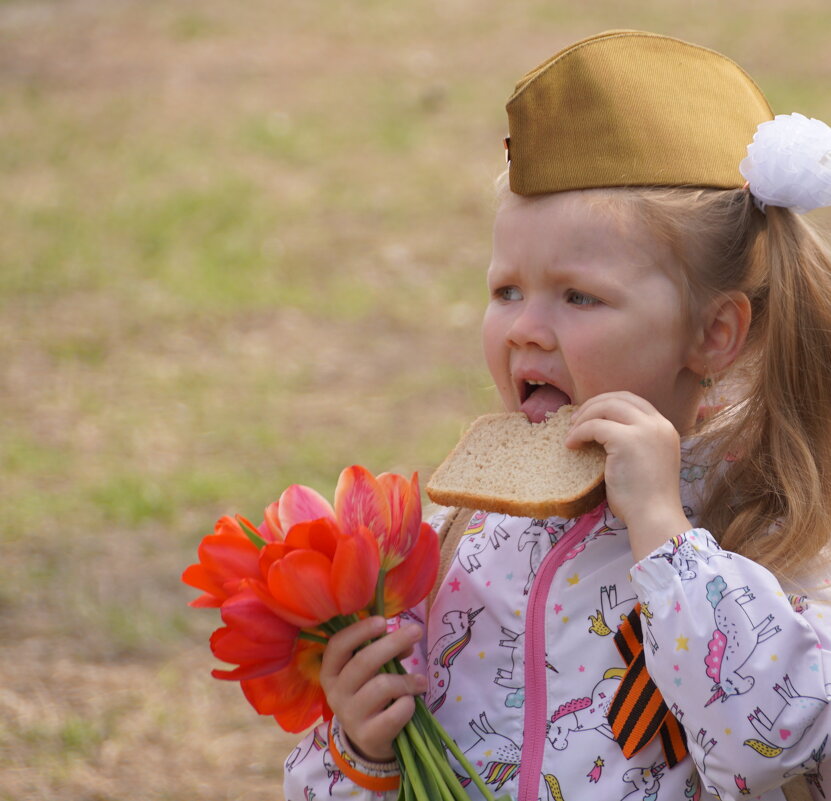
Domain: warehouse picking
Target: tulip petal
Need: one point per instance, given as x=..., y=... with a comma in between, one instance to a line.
x=317, y=535
x=271, y=553
x=360, y=501
x=355, y=571
x=253, y=659
x=226, y=558
x=253, y=619
x=405, y=517
x=293, y=695
x=322, y=536
x=229, y=556
x=197, y=576
x=300, y=584
x=228, y=525
x=299, y=504
x=411, y=581
x=270, y=528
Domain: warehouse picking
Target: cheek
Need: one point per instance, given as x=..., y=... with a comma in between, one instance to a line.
x=492, y=338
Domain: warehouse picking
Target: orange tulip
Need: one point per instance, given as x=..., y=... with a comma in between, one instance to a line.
x=293, y=695
x=254, y=638
x=411, y=581
x=226, y=559
x=319, y=572
x=389, y=506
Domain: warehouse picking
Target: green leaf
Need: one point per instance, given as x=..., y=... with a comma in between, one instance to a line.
x=251, y=533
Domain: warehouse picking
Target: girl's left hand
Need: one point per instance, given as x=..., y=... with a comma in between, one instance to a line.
x=643, y=462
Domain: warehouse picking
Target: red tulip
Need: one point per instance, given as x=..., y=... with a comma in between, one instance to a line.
x=411, y=581
x=293, y=695
x=226, y=559
x=319, y=573
x=254, y=638
x=389, y=506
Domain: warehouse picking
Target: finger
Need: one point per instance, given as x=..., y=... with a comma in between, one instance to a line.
x=624, y=407
x=342, y=645
x=384, y=689
x=368, y=660
x=598, y=430
x=373, y=736
x=384, y=726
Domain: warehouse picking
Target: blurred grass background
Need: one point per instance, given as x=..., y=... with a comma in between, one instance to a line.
x=242, y=245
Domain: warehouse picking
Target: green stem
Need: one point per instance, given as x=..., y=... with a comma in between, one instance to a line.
x=409, y=769
x=307, y=635
x=455, y=750
x=425, y=723
x=378, y=606
x=425, y=741
x=428, y=757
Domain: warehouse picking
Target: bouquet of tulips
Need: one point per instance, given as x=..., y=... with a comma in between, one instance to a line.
x=310, y=569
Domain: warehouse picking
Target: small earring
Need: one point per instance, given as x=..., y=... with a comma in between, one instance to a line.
x=706, y=382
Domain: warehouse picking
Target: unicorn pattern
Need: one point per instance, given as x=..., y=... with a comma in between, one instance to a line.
x=609, y=607
x=533, y=535
x=444, y=652
x=734, y=640
x=513, y=678
x=313, y=744
x=684, y=556
x=647, y=782
x=498, y=755
x=476, y=539
x=585, y=714
x=791, y=722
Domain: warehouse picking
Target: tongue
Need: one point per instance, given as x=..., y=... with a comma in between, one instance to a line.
x=547, y=399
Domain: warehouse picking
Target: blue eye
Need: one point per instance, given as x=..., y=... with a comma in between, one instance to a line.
x=579, y=298
x=508, y=293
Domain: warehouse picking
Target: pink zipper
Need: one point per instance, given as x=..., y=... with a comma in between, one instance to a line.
x=536, y=700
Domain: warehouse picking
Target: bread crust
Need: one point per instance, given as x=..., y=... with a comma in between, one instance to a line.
x=567, y=508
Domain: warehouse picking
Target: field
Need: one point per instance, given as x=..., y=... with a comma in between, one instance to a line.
x=243, y=245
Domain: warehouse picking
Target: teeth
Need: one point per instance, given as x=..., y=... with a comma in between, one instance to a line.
x=537, y=383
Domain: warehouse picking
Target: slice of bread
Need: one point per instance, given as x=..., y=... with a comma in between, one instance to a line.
x=505, y=463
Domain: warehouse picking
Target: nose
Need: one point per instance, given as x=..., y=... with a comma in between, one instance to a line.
x=533, y=326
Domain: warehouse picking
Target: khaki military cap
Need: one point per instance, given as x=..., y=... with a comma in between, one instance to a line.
x=627, y=108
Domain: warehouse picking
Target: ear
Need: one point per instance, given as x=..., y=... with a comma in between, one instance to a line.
x=722, y=334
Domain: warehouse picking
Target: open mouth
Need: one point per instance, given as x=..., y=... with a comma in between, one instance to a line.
x=539, y=399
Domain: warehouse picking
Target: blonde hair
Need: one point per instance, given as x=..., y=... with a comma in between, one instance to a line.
x=768, y=492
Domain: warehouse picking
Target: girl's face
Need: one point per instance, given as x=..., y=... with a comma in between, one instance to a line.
x=582, y=302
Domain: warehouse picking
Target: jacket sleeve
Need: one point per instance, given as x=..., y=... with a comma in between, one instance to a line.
x=323, y=766
x=745, y=667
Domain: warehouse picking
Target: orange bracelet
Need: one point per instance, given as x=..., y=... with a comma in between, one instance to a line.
x=347, y=766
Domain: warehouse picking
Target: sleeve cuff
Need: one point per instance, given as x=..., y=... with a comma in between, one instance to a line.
x=376, y=776
x=655, y=573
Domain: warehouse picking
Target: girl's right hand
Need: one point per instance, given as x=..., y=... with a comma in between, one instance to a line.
x=371, y=707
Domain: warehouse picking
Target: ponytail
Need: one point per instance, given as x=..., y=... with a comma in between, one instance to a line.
x=772, y=503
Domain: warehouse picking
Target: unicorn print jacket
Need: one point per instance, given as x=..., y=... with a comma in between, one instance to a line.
x=522, y=663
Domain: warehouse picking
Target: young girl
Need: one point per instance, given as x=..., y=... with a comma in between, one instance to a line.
x=673, y=643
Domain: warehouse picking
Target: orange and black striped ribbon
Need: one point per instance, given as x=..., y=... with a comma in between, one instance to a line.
x=638, y=712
